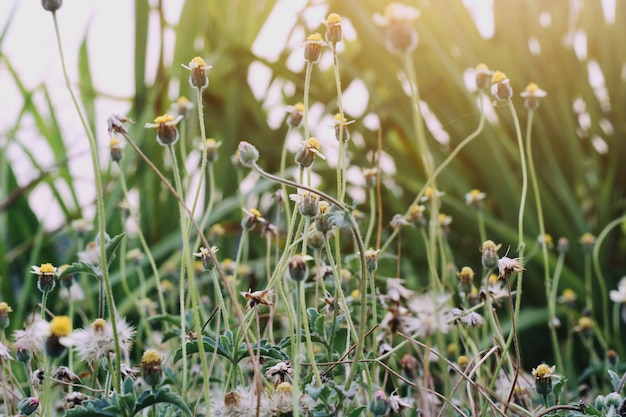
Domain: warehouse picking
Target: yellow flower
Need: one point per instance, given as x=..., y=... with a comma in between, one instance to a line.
x=60, y=326
x=483, y=75
x=167, y=133
x=313, y=47
x=309, y=149
x=401, y=36
x=501, y=86
x=333, y=28
x=475, y=198
x=532, y=94
x=198, y=77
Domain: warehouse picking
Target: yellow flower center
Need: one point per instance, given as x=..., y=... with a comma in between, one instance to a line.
x=211, y=142
x=166, y=285
x=4, y=307
x=338, y=118
x=568, y=294
x=312, y=143
x=284, y=388
x=417, y=209
x=482, y=67
x=98, y=325
x=475, y=193
x=493, y=279
x=46, y=268
x=532, y=87
x=490, y=245
x=323, y=207
x=299, y=107
x=183, y=99
x=498, y=77
x=585, y=323
x=60, y=326
x=151, y=356
x=316, y=37
x=462, y=361
x=163, y=119
x=114, y=142
x=587, y=239
x=199, y=61
x=255, y=212
x=355, y=294
x=543, y=371
x=333, y=19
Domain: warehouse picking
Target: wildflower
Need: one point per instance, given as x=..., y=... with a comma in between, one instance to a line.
x=30, y=404
x=167, y=133
x=333, y=28
x=409, y=363
x=472, y=318
x=323, y=222
x=378, y=404
x=584, y=325
x=280, y=372
x=339, y=123
x=371, y=259
x=298, y=270
x=115, y=124
x=416, y=214
x=248, y=154
x=466, y=279
x=198, y=77
x=81, y=227
x=397, y=403
x=5, y=354
x=308, y=202
x=369, y=174
x=115, y=147
x=257, y=298
x=444, y=220
x=401, y=36
x=181, y=107
x=207, y=256
x=531, y=96
x=489, y=252
x=430, y=315
x=431, y=193
x=313, y=48
x=543, y=375
x=30, y=340
x=483, y=76
x=5, y=309
x=568, y=296
x=281, y=403
x=619, y=295
x=587, y=240
x=501, y=86
x=395, y=318
x=296, y=113
x=508, y=266
x=151, y=367
x=252, y=218
x=475, y=198
x=46, y=280
x=60, y=327
x=211, y=146
x=397, y=291
x=51, y=6
x=91, y=254
x=65, y=375
x=36, y=378
x=562, y=245
x=307, y=152
x=96, y=342
x=545, y=239
x=74, y=399
x=398, y=221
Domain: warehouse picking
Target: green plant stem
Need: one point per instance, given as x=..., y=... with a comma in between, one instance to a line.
x=283, y=164
x=99, y=209
x=430, y=180
x=600, y=276
x=341, y=171
x=307, y=88
x=144, y=244
x=307, y=333
x=183, y=266
x=543, y=242
x=372, y=217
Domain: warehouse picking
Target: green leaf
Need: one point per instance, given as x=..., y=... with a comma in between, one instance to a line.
x=357, y=411
x=92, y=408
x=165, y=318
x=266, y=350
x=112, y=245
x=81, y=268
x=149, y=398
x=615, y=379
x=209, y=346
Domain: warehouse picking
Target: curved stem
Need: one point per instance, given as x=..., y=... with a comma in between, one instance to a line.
x=99, y=208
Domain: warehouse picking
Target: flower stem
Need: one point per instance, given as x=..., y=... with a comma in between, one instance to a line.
x=99, y=208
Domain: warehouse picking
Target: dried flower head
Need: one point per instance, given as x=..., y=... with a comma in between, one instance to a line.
x=508, y=266
x=115, y=124
x=531, y=96
x=198, y=77
x=257, y=298
x=398, y=221
x=342, y=133
x=279, y=373
x=167, y=133
x=501, y=86
x=251, y=218
x=96, y=342
x=207, y=256
x=313, y=47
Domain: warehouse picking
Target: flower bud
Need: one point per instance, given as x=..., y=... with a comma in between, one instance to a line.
x=151, y=367
x=378, y=404
x=309, y=204
x=307, y=152
x=333, y=28
x=466, y=279
x=5, y=309
x=248, y=154
x=323, y=221
x=28, y=405
x=211, y=146
x=51, y=6
x=371, y=259
x=490, y=256
x=313, y=48
x=501, y=86
x=531, y=96
x=115, y=147
x=198, y=77
x=298, y=270
x=251, y=219
x=416, y=214
x=295, y=117
x=543, y=379
x=483, y=76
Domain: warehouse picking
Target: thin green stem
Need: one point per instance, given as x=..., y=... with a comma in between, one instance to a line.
x=99, y=207
x=307, y=87
x=543, y=242
x=307, y=333
x=341, y=170
x=283, y=164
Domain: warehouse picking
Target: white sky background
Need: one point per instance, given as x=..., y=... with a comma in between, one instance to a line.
x=31, y=49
